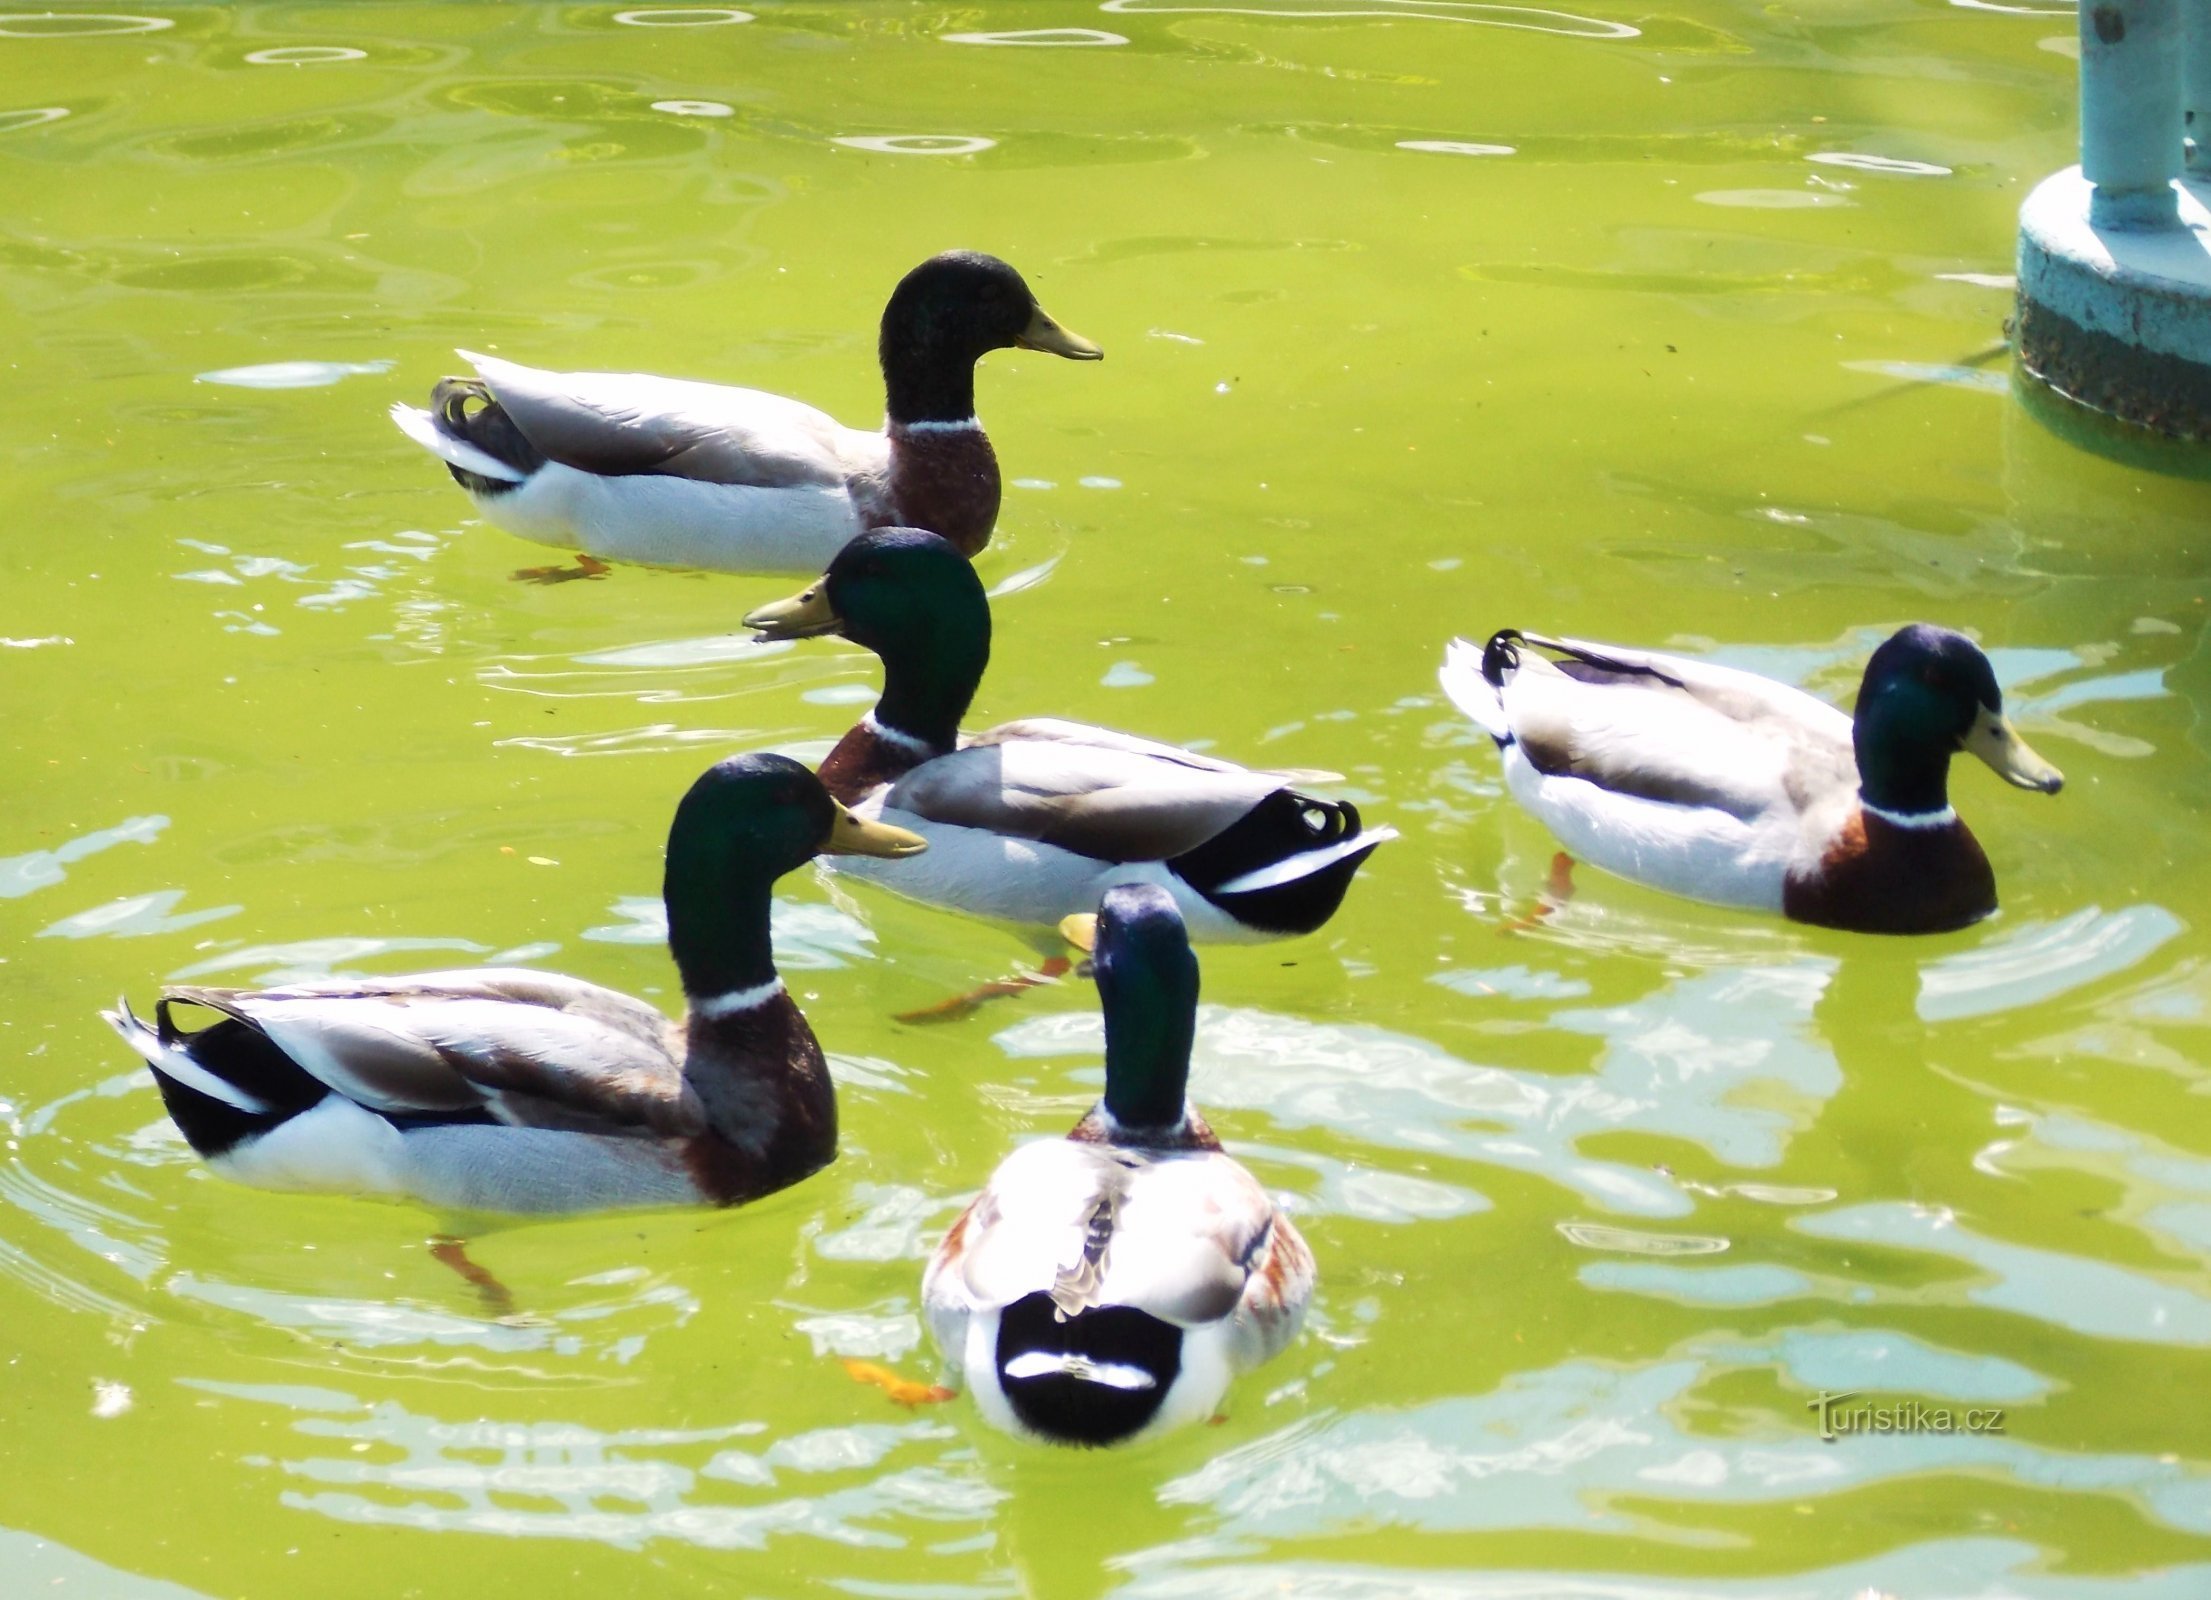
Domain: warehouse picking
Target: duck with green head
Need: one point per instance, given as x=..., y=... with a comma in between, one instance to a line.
x=675, y=473
x=1031, y=821
x=503, y=1089
x=1106, y=1286
x=1725, y=786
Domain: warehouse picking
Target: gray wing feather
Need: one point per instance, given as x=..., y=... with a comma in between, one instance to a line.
x=1123, y=801
x=1054, y=730
x=1188, y=1237
x=1674, y=731
x=619, y=424
x=533, y=1049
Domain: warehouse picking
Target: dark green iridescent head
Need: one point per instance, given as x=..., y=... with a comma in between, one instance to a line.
x=1929, y=693
x=745, y=823
x=914, y=600
x=947, y=314
x=1148, y=985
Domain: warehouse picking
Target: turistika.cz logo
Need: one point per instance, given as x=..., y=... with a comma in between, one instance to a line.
x=1837, y=1417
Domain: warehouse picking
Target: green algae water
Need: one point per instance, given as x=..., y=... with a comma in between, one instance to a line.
x=1422, y=318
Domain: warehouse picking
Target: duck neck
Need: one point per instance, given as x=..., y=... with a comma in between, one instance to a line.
x=926, y=691
x=718, y=934
x=925, y=385
x=1149, y=1031
x=1899, y=775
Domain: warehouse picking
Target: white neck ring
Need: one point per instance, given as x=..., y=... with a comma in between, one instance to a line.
x=1117, y=1130
x=898, y=738
x=1919, y=821
x=958, y=425
x=714, y=1007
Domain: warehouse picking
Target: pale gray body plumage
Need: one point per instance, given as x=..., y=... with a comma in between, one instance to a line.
x=672, y=472
x=1698, y=779
x=1035, y=819
x=587, y=1084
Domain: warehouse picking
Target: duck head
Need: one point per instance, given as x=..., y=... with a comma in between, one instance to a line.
x=1929, y=693
x=745, y=823
x=947, y=314
x=914, y=600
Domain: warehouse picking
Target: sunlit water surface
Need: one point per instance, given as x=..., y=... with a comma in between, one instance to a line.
x=1422, y=318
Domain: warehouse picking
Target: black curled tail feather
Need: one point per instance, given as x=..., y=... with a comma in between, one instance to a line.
x=1282, y=825
x=466, y=409
x=1501, y=655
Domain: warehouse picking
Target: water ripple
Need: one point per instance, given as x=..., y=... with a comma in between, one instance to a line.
x=1531, y=18
x=2092, y=1298
x=399, y=1467
x=1679, y=1064
x=1572, y=1445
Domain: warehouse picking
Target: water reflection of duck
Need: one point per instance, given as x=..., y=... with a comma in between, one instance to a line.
x=1109, y=1284
x=502, y=1089
x=1031, y=821
x=660, y=470
x=1725, y=786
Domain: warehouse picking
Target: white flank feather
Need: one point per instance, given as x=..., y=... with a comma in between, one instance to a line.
x=1021, y=881
x=1700, y=852
x=335, y=1147
x=418, y=425
x=657, y=520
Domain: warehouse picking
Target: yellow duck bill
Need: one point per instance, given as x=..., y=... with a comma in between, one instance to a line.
x=1043, y=333
x=806, y=615
x=2010, y=757
x=853, y=835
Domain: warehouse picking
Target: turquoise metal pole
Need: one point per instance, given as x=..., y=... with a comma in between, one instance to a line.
x=2130, y=110
x=2195, y=85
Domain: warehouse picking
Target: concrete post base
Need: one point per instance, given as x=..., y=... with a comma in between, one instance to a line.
x=2118, y=320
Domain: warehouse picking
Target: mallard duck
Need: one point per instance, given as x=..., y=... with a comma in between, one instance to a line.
x=1031, y=821
x=502, y=1089
x=682, y=474
x=1724, y=786
x=1109, y=1284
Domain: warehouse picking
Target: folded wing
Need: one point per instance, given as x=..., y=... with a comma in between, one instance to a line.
x=618, y=424
x=527, y=1048
x=1673, y=731
x=1102, y=795
x=1176, y=1235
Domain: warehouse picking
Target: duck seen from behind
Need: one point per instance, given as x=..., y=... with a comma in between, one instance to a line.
x=1031, y=821
x=502, y=1089
x=1724, y=786
x=1108, y=1285
x=675, y=473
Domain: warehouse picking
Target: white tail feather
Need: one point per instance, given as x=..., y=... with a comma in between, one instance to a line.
x=169, y=1060
x=1305, y=863
x=1461, y=677
x=1112, y=1374
x=421, y=427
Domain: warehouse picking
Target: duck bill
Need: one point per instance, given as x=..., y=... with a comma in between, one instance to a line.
x=1081, y=931
x=1043, y=333
x=805, y=615
x=852, y=835
x=2010, y=757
